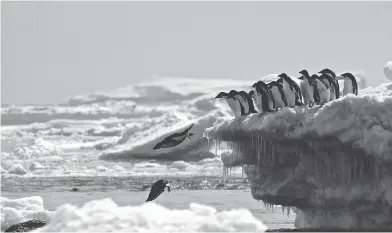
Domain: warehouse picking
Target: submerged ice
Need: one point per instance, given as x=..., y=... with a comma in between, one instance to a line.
x=333, y=163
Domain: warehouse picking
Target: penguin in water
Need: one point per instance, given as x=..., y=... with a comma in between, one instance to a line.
x=278, y=94
x=334, y=83
x=248, y=103
x=323, y=88
x=158, y=188
x=174, y=139
x=307, y=87
x=233, y=103
x=265, y=96
x=291, y=90
x=350, y=84
x=256, y=101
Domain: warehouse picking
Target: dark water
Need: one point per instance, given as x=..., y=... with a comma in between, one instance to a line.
x=233, y=194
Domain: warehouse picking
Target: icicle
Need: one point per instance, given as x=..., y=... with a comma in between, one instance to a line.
x=242, y=170
x=288, y=211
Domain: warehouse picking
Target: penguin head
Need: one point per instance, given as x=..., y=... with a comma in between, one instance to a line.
x=243, y=93
x=328, y=72
x=348, y=75
x=221, y=95
x=284, y=76
x=232, y=94
x=312, y=80
x=304, y=73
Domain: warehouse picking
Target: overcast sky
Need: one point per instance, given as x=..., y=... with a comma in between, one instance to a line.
x=54, y=50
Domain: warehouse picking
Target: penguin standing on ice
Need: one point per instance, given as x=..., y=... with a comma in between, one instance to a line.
x=291, y=90
x=334, y=83
x=265, y=95
x=158, y=188
x=278, y=94
x=307, y=87
x=257, y=103
x=323, y=88
x=248, y=103
x=350, y=84
x=233, y=94
x=233, y=103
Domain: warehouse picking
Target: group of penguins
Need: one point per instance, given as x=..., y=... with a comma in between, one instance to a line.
x=285, y=92
x=272, y=96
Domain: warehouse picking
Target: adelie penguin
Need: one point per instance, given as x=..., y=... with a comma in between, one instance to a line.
x=350, y=84
x=257, y=101
x=323, y=88
x=333, y=82
x=248, y=103
x=278, y=94
x=307, y=88
x=233, y=103
x=174, y=139
x=157, y=188
x=233, y=94
x=291, y=90
x=264, y=96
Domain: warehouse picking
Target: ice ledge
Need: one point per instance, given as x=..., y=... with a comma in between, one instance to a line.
x=363, y=122
x=334, y=163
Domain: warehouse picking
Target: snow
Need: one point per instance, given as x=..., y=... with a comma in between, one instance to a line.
x=388, y=70
x=106, y=216
x=364, y=121
x=21, y=210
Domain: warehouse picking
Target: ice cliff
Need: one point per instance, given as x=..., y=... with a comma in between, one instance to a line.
x=333, y=163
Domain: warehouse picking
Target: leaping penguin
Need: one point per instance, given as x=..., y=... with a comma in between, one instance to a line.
x=263, y=92
x=233, y=103
x=350, y=84
x=174, y=139
x=291, y=90
x=307, y=87
x=334, y=83
x=158, y=188
x=278, y=94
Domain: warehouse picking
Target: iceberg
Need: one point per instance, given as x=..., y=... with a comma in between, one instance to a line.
x=333, y=163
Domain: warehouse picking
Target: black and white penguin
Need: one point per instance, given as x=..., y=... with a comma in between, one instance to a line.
x=157, y=188
x=174, y=139
x=334, y=83
x=278, y=94
x=307, y=87
x=249, y=106
x=233, y=103
x=350, y=84
x=265, y=95
x=323, y=88
x=257, y=103
x=233, y=94
x=291, y=90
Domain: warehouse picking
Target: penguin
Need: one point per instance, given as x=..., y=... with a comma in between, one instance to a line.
x=233, y=94
x=350, y=84
x=278, y=94
x=291, y=90
x=307, y=88
x=323, y=88
x=250, y=107
x=243, y=102
x=257, y=103
x=157, y=188
x=174, y=139
x=233, y=103
x=335, y=89
x=265, y=95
